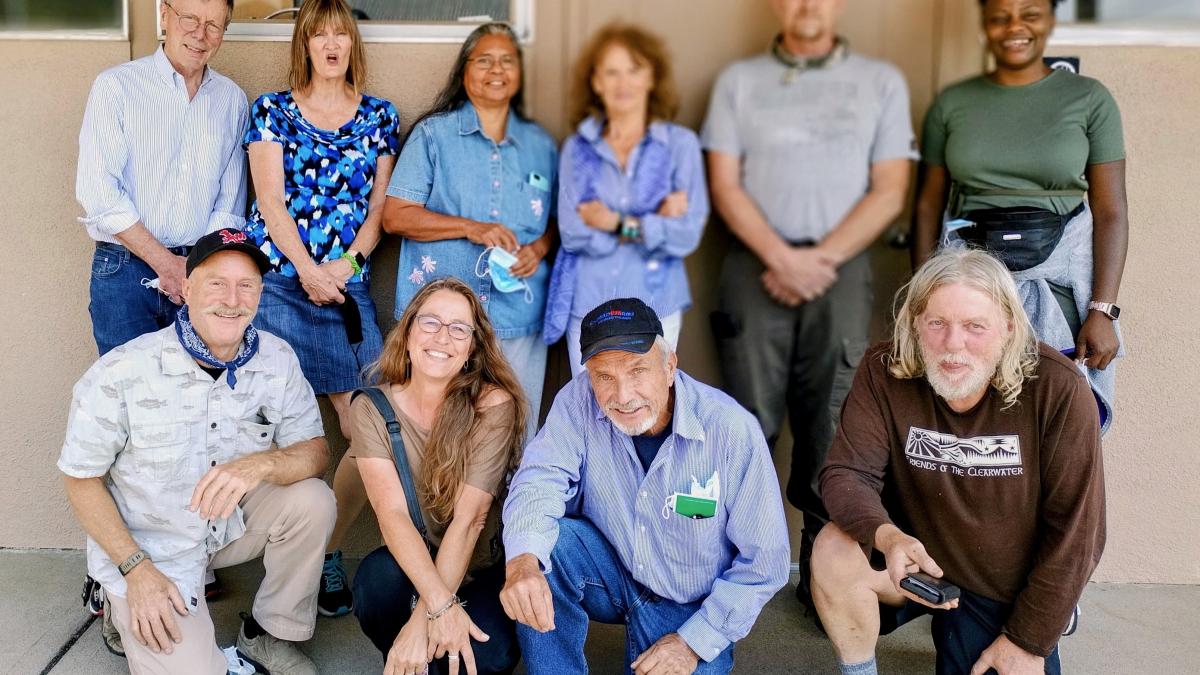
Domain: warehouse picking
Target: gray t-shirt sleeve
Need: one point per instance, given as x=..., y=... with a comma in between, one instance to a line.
x=720, y=131
x=894, y=133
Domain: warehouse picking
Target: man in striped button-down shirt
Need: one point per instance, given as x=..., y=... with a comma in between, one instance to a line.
x=161, y=163
x=648, y=499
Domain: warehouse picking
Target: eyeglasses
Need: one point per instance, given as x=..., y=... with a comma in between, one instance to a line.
x=190, y=22
x=457, y=330
x=485, y=63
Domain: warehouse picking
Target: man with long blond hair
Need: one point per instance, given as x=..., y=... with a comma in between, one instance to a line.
x=968, y=452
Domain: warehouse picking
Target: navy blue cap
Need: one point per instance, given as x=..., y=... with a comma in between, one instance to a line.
x=627, y=324
x=226, y=239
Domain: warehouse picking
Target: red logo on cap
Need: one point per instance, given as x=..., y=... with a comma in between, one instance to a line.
x=232, y=237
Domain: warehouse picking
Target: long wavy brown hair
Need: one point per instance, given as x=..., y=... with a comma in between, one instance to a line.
x=448, y=450
x=647, y=49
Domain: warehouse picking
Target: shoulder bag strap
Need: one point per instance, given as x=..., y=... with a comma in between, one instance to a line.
x=384, y=406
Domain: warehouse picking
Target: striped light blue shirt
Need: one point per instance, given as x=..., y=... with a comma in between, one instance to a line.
x=147, y=153
x=580, y=464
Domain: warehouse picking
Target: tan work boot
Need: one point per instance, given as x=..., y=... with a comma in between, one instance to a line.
x=108, y=632
x=274, y=656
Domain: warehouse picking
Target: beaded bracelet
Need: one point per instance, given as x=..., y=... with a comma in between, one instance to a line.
x=432, y=616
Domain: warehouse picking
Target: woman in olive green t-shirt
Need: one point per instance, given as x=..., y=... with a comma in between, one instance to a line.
x=461, y=413
x=1024, y=126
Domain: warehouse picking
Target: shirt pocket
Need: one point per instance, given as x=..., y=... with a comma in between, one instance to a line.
x=530, y=211
x=160, y=451
x=693, y=543
x=255, y=436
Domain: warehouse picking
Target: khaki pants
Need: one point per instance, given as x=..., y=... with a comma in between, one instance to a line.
x=289, y=526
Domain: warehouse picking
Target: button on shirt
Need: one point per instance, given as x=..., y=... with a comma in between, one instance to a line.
x=666, y=160
x=581, y=465
x=147, y=153
x=147, y=416
x=451, y=167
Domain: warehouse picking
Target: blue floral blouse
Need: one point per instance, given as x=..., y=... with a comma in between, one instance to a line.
x=327, y=174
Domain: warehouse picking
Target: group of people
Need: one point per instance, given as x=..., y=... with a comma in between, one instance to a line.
x=965, y=448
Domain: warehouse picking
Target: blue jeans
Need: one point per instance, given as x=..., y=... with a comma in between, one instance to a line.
x=317, y=333
x=960, y=635
x=383, y=593
x=121, y=307
x=527, y=357
x=589, y=582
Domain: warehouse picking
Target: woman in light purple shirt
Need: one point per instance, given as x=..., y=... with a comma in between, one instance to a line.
x=632, y=197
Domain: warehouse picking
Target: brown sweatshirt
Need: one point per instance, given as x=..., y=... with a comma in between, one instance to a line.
x=1009, y=502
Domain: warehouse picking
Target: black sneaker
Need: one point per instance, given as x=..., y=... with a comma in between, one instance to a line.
x=334, y=597
x=92, y=596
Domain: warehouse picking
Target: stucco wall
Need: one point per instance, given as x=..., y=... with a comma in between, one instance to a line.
x=1151, y=465
x=45, y=330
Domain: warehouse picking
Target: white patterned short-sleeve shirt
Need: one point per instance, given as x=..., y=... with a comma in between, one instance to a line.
x=152, y=422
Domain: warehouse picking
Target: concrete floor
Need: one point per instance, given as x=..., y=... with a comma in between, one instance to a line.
x=1126, y=629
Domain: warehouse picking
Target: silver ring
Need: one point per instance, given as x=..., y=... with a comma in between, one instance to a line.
x=452, y=656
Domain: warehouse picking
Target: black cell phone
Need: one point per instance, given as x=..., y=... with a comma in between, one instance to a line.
x=933, y=591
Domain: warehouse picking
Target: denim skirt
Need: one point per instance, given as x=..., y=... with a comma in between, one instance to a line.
x=317, y=333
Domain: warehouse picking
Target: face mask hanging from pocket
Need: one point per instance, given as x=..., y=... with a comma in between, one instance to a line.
x=499, y=266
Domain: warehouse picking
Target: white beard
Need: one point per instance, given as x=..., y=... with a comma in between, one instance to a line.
x=639, y=428
x=964, y=386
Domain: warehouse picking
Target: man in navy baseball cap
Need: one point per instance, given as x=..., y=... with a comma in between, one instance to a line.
x=646, y=480
x=627, y=324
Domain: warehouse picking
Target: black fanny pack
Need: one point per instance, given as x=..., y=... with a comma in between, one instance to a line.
x=1020, y=236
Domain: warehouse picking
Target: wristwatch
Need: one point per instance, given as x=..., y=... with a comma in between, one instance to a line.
x=132, y=562
x=1106, y=308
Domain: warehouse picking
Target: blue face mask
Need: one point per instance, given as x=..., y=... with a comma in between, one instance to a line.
x=499, y=264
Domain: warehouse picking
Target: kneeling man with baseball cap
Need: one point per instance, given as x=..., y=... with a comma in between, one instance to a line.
x=200, y=445
x=647, y=499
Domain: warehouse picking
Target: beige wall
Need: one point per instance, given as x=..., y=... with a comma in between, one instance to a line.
x=1152, y=500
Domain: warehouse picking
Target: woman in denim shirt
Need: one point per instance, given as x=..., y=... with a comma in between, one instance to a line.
x=632, y=197
x=473, y=189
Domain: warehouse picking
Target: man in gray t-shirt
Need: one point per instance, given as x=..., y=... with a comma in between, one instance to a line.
x=810, y=149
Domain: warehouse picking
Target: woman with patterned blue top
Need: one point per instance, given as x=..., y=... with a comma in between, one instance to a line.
x=472, y=195
x=632, y=200
x=321, y=155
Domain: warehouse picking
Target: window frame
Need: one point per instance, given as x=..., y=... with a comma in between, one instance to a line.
x=103, y=34
x=522, y=21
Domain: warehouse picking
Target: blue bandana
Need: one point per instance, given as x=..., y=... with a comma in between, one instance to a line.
x=199, y=351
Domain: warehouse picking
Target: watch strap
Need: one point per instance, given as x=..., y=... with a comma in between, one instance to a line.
x=132, y=562
x=1106, y=308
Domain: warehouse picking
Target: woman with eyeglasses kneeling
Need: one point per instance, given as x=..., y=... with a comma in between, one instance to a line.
x=430, y=596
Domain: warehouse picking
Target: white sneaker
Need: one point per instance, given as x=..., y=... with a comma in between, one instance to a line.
x=235, y=665
x=271, y=655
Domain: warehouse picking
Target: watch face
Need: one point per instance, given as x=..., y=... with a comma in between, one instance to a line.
x=1114, y=312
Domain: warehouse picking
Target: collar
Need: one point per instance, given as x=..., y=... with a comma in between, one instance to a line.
x=162, y=65
x=176, y=361
x=685, y=418
x=468, y=122
x=798, y=64
x=592, y=130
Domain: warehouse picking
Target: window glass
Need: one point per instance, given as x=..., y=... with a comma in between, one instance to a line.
x=25, y=16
